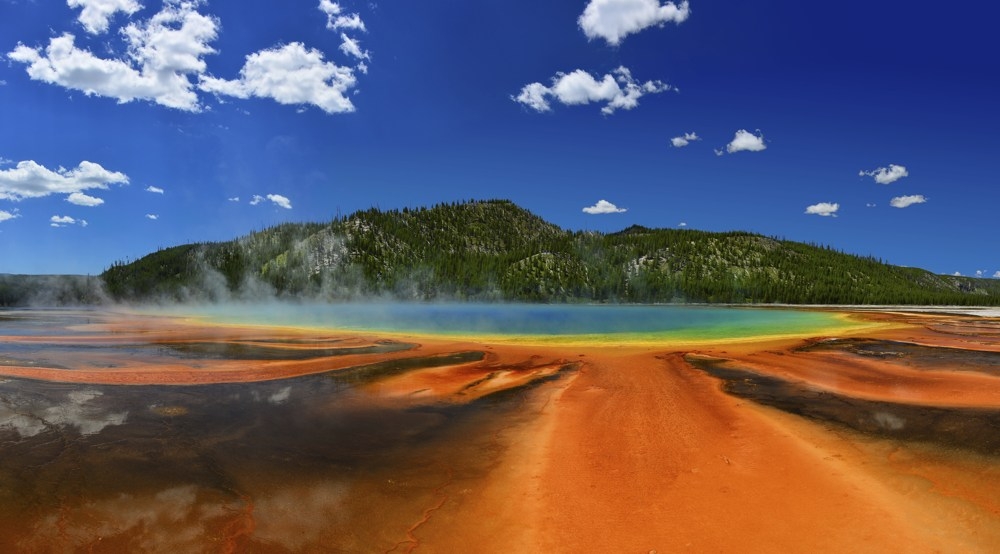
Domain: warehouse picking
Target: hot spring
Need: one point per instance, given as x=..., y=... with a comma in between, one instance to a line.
x=456, y=427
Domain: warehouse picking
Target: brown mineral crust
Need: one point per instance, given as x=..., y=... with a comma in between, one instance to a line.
x=876, y=379
x=217, y=371
x=467, y=382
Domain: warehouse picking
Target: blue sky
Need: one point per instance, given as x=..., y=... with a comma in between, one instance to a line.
x=130, y=125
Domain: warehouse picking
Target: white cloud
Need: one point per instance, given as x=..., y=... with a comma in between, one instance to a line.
x=869, y=204
x=81, y=199
x=996, y=275
x=162, y=53
x=289, y=74
x=604, y=207
x=154, y=190
x=684, y=140
x=31, y=180
x=64, y=220
x=957, y=274
x=979, y=272
x=533, y=96
x=613, y=20
x=4, y=216
x=682, y=224
x=886, y=175
x=905, y=201
x=276, y=199
x=280, y=201
x=823, y=209
x=352, y=47
x=746, y=141
x=154, y=217
x=337, y=20
x=96, y=14
x=618, y=90
x=4, y=161
x=234, y=199
x=718, y=151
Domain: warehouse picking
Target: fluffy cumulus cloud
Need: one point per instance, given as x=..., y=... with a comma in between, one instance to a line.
x=31, y=180
x=280, y=201
x=289, y=74
x=604, y=207
x=886, y=175
x=65, y=221
x=907, y=201
x=684, y=140
x=276, y=199
x=154, y=190
x=996, y=275
x=81, y=199
x=5, y=215
x=745, y=141
x=337, y=20
x=613, y=20
x=352, y=47
x=617, y=90
x=96, y=14
x=153, y=217
x=164, y=61
x=825, y=209
x=163, y=53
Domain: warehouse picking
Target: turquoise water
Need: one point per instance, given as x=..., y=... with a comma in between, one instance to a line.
x=522, y=320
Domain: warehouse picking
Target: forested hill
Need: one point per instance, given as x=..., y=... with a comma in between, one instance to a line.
x=494, y=250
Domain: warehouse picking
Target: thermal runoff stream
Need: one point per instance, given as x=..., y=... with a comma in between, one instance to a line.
x=498, y=428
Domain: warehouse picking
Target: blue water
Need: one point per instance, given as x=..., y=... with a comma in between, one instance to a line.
x=531, y=320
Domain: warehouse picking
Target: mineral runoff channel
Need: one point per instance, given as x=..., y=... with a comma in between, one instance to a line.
x=864, y=431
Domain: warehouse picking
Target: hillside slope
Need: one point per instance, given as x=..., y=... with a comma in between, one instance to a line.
x=495, y=250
